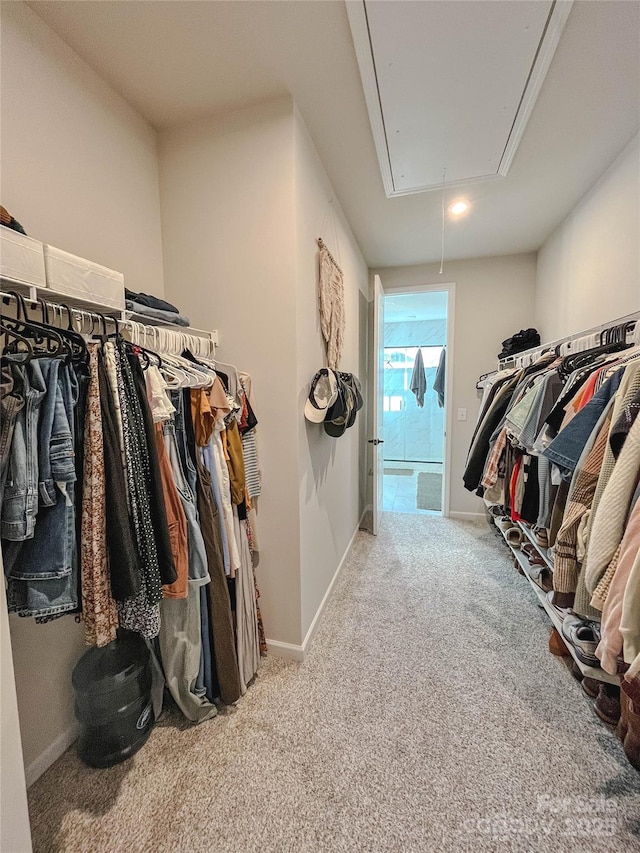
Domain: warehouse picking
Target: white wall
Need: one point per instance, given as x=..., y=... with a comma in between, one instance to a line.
x=14, y=823
x=79, y=165
x=494, y=299
x=227, y=190
x=589, y=268
x=329, y=468
x=79, y=170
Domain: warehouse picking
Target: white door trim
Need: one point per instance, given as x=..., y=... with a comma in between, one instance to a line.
x=450, y=288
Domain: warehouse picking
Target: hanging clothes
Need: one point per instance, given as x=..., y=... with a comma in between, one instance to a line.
x=440, y=377
x=418, y=384
x=129, y=494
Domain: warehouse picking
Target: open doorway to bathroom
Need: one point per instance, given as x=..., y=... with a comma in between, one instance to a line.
x=415, y=349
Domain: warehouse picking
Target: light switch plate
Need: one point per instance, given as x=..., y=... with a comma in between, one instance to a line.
x=462, y=414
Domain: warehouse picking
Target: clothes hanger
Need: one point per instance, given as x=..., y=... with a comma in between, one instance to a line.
x=18, y=339
x=45, y=339
x=79, y=352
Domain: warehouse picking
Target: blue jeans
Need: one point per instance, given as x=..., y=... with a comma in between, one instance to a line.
x=20, y=498
x=43, y=576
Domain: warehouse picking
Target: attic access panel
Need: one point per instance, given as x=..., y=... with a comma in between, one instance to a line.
x=451, y=84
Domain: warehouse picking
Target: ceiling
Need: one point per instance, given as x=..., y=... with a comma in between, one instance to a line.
x=413, y=307
x=179, y=61
x=494, y=55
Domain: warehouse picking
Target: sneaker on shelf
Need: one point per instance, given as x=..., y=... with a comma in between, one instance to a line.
x=504, y=523
x=541, y=536
x=584, y=636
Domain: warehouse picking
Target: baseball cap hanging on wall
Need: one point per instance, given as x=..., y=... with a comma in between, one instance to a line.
x=334, y=400
x=322, y=395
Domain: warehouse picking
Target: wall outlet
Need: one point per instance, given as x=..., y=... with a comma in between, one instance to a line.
x=462, y=414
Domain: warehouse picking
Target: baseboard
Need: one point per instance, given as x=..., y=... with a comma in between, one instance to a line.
x=52, y=753
x=467, y=516
x=285, y=650
x=289, y=650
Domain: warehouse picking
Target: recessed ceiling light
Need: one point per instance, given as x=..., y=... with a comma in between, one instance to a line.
x=457, y=208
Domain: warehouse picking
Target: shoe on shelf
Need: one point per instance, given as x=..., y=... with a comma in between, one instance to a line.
x=514, y=537
x=542, y=576
x=591, y=687
x=534, y=556
x=628, y=729
x=557, y=646
x=576, y=672
x=541, y=536
x=561, y=611
x=584, y=636
x=504, y=523
x=607, y=704
x=495, y=510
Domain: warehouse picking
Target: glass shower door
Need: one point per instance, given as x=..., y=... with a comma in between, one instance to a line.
x=411, y=433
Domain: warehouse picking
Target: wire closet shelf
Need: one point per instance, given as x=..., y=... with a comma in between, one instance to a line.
x=626, y=328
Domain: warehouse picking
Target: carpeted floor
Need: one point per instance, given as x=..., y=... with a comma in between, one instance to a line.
x=429, y=716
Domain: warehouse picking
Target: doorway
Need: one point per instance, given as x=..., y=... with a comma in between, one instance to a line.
x=413, y=410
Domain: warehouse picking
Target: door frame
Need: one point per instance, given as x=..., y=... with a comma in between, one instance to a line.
x=450, y=288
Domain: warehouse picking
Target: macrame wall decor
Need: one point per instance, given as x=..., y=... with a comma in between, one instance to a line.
x=331, y=295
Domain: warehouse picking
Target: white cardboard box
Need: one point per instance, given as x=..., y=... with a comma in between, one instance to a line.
x=21, y=258
x=67, y=273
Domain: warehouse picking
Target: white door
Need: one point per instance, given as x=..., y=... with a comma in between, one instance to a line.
x=377, y=439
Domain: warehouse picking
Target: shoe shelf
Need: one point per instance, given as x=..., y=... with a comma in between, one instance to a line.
x=556, y=620
x=544, y=552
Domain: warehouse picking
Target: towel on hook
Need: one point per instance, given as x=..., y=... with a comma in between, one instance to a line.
x=418, y=379
x=438, y=382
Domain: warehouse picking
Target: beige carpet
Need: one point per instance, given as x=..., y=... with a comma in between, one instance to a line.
x=429, y=493
x=428, y=717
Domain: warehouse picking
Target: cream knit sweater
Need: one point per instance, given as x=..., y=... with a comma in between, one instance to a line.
x=608, y=524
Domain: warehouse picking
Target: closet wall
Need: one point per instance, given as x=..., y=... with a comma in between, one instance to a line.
x=330, y=504
x=494, y=298
x=243, y=199
x=79, y=165
x=588, y=269
x=227, y=188
x=79, y=170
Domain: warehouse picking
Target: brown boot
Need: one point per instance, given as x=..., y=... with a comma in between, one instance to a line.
x=557, y=645
x=591, y=687
x=631, y=743
x=607, y=704
x=623, y=722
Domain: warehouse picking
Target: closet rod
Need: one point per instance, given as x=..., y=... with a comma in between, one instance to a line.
x=177, y=333
x=576, y=336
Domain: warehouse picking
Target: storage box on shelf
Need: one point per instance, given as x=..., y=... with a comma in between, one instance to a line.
x=556, y=620
x=73, y=276
x=21, y=258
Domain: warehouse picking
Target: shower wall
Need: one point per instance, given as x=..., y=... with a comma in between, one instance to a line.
x=412, y=433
